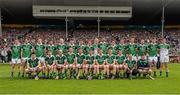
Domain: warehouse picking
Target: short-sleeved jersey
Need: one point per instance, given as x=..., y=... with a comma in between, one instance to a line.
x=153, y=49
x=90, y=59
x=62, y=47
x=87, y=49
x=142, y=49
x=103, y=46
x=113, y=49
x=26, y=50
x=80, y=58
x=75, y=47
x=131, y=49
x=49, y=60
x=120, y=59
x=16, y=51
x=39, y=50
x=164, y=49
x=142, y=63
x=70, y=58
x=100, y=59
x=130, y=63
x=122, y=48
x=110, y=59
x=60, y=59
x=52, y=48
x=33, y=63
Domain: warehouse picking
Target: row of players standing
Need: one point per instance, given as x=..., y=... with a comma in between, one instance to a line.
x=22, y=52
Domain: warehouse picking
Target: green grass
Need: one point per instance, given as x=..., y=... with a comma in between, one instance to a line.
x=160, y=85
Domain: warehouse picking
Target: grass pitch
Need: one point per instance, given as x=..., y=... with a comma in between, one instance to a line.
x=161, y=85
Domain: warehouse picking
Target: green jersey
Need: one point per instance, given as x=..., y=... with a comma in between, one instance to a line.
x=33, y=63
x=110, y=59
x=62, y=47
x=70, y=58
x=60, y=59
x=122, y=48
x=164, y=49
x=52, y=48
x=90, y=59
x=16, y=51
x=153, y=50
x=120, y=59
x=142, y=63
x=131, y=49
x=87, y=49
x=80, y=58
x=26, y=50
x=49, y=60
x=130, y=63
x=113, y=49
x=39, y=50
x=75, y=48
x=100, y=59
x=142, y=49
x=103, y=46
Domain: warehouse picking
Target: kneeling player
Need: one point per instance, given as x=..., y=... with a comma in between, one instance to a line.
x=50, y=64
x=144, y=67
x=33, y=66
x=131, y=67
x=60, y=61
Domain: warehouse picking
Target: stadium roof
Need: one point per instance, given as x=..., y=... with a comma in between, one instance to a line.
x=144, y=11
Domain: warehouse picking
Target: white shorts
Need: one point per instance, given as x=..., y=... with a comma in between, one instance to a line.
x=164, y=59
x=79, y=65
x=41, y=59
x=15, y=61
x=134, y=58
x=151, y=59
x=24, y=59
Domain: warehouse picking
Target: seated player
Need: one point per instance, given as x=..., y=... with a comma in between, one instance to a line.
x=120, y=63
x=50, y=64
x=144, y=67
x=71, y=63
x=80, y=59
x=34, y=66
x=109, y=66
x=130, y=67
x=89, y=62
x=99, y=63
x=60, y=61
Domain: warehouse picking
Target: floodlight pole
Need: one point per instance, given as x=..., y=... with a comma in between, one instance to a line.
x=0, y=24
x=66, y=27
x=98, y=26
x=163, y=19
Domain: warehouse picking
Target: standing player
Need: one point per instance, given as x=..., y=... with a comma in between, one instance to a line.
x=164, y=56
x=61, y=46
x=16, y=55
x=153, y=54
x=50, y=64
x=33, y=66
x=26, y=49
x=142, y=49
x=95, y=46
x=113, y=47
x=103, y=45
x=122, y=47
x=61, y=62
x=88, y=47
x=132, y=49
x=51, y=47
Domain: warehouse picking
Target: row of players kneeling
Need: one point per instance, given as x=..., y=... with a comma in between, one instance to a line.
x=129, y=69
